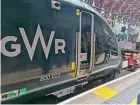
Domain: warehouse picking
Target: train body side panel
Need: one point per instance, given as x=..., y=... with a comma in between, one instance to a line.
x=36, y=18
x=47, y=67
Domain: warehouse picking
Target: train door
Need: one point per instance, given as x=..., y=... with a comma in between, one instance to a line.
x=85, y=45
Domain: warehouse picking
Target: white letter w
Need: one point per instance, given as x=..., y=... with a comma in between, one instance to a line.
x=38, y=35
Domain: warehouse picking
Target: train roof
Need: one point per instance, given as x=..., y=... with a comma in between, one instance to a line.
x=82, y=4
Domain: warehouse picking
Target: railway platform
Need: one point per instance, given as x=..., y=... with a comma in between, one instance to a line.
x=124, y=90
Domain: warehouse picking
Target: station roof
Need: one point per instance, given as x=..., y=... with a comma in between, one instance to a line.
x=123, y=9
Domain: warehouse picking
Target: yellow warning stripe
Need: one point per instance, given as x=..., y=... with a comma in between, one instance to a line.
x=77, y=12
x=133, y=102
x=105, y=92
x=72, y=71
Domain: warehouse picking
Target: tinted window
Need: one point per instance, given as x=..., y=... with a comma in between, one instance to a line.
x=106, y=44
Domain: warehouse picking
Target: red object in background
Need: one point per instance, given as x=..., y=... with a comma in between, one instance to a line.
x=97, y=2
x=131, y=40
x=131, y=60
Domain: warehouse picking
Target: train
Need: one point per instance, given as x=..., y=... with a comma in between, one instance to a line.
x=53, y=47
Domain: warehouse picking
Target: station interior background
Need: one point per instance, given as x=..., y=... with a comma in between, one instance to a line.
x=120, y=14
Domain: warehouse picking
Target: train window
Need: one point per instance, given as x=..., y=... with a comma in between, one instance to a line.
x=112, y=40
x=99, y=40
x=105, y=44
x=85, y=36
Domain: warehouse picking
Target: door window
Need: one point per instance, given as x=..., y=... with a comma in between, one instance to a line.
x=85, y=44
x=85, y=39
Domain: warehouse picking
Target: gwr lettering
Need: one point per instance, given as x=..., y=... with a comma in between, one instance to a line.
x=16, y=47
x=38, y=35
x=57, y=41
x=31, y=48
